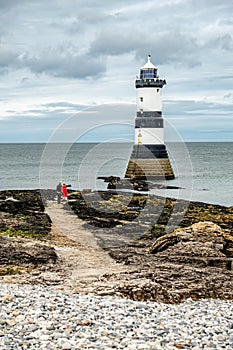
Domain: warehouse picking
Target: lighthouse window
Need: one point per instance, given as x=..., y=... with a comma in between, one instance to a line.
x=141, y=99
x=148, y=74
x=157, y=90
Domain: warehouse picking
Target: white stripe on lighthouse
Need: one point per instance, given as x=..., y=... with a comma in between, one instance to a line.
x=150, y=136
x=149, y=99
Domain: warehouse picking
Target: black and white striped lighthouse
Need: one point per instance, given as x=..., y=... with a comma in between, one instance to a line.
x=149, y=158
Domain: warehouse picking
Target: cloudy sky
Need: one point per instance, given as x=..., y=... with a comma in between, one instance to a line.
x=60, y=57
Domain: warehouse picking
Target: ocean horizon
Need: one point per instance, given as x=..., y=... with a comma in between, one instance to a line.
x=203, y=170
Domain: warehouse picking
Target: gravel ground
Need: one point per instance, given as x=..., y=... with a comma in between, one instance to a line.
x=37, y=317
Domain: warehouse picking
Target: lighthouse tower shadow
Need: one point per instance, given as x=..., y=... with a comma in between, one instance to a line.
x=149, y=159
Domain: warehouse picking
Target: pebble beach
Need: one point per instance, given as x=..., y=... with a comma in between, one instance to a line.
x=38, y=317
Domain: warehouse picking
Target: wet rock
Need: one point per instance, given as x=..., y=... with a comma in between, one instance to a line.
x=106, y=209
x=14, y=252
x=22, y=218
x=21, y=201
x=116, y=183
x=25, y=215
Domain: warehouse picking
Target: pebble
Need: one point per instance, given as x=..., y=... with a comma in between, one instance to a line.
x=37, y=317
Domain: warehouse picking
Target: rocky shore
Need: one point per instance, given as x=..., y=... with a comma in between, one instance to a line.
x=153, y=260
x=111, y=270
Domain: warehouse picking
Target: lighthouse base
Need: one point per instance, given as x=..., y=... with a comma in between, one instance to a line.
x=149, y=162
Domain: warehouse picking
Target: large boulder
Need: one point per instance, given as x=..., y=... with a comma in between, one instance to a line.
x=204, y=241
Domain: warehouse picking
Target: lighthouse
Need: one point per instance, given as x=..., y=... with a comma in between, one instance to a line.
x=149, y=158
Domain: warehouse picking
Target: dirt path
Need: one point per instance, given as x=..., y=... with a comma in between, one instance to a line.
x=83, y=260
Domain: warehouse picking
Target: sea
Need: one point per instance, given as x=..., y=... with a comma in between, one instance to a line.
x=203, y=170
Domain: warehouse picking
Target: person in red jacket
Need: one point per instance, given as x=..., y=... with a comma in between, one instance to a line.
x=65, y=192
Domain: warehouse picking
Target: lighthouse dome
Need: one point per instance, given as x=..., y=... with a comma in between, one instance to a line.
x=148, y=64
x=148, y=71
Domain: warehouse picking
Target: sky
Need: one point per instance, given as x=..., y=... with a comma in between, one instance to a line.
x=63, y=62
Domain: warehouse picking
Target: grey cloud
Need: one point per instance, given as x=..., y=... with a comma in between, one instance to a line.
x=228, y=97
x=224, y=4
x=8, y=59
x=59, y=63
x=88, y=16
x=224, y=42
x=176, y=47
x=112, y=28
x=5, y=4
x=204, y=83
x=190, y=108
x=8, y=4
x=115, y=42
x=226, y=21
x=173, y=45
x=87, y=20
x=193, y=117
x=52, y=110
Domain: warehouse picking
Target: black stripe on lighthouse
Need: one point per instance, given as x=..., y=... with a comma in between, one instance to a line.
x=149, y=123
x=150, y=114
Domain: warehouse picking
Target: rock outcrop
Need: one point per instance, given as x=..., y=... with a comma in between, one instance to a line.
x=203, y=243
x=25, y=253
x=22, y=212
x=195, y=261
x=106, y=209
x=23, y=224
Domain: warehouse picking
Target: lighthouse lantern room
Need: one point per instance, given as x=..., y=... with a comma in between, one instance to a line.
x=149, y=158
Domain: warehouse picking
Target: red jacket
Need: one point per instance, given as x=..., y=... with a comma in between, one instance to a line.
x=64, y=191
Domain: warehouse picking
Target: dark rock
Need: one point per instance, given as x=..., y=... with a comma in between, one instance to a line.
x=13, y=252
x=194, y=262
x=23, y=201
x=22, y=215
x=110, y=212
x=25, y=215
x=116, y=183
x=157, y=211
